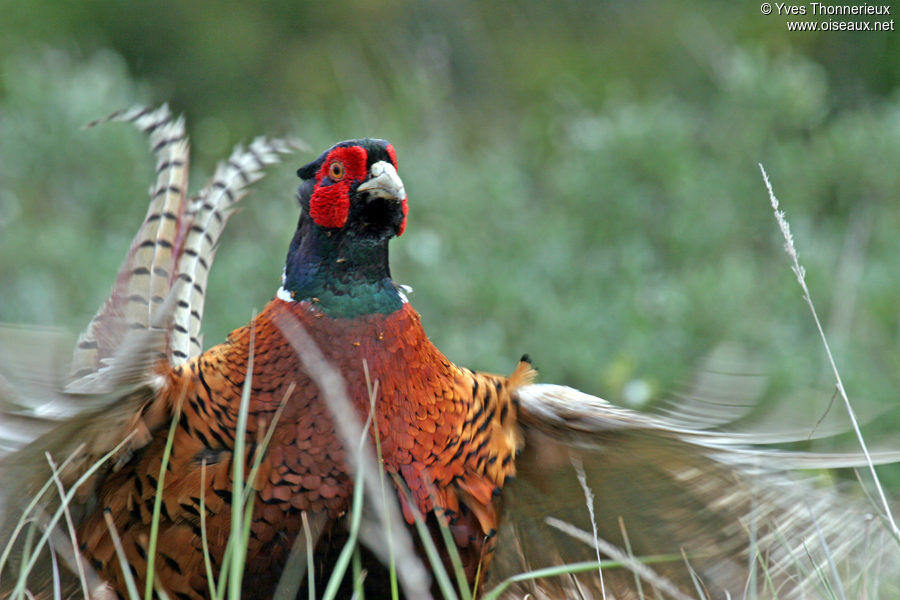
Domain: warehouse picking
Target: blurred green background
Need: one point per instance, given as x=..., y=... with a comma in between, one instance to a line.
x=582, y=175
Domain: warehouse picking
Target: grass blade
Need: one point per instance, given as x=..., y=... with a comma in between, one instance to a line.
x=51, y=522
x=204, y=539
x=240, y=515
x=76, y=554
x=120, y=553
x=157, y=503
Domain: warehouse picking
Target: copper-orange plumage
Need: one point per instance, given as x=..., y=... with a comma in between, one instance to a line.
x=449, y=433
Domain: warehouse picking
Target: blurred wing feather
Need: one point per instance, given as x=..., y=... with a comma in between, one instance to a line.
x=735, y=511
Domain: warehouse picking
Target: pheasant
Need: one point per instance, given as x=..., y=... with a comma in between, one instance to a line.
x=339, y=352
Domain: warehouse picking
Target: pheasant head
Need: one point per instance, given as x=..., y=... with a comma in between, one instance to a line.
x=353, y=202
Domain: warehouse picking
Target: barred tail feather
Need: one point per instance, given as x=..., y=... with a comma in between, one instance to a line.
x=144, y=280
x=209, y=212
x=175, y=242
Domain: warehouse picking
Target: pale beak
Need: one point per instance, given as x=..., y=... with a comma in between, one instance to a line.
x=384, y=183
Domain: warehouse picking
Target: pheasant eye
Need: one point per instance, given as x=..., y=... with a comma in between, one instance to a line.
x=336, y=170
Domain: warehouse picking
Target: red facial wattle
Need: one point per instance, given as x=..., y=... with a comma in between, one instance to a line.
x=404, y=206
x=392, y=154
x=329, y=205
x=330, y=201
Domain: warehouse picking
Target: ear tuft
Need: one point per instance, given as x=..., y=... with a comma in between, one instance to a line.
x=308, y=171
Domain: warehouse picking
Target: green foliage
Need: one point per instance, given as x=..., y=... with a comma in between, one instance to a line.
x=590, y=196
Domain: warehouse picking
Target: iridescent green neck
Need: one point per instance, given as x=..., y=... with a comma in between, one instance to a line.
x=344, y=272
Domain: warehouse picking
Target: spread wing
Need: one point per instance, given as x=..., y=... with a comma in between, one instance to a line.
x=680, y=504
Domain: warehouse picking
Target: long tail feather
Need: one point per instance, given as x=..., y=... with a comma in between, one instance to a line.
x=146, y=275
x=176, y=241
x=208, y=214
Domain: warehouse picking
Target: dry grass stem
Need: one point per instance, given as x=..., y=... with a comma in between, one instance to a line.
x=634, y=565
x=76, y=554
x=413, y=577
x=589, y=500
x=800, y=272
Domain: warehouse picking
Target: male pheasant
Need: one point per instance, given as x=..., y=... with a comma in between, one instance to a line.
x=448, y=437
x=447, y=432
